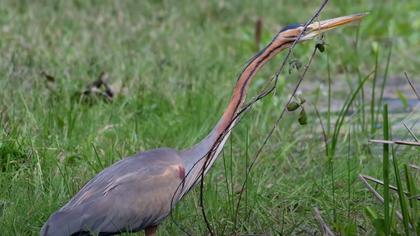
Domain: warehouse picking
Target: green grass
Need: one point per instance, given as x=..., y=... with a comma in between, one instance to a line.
x=386, y=170
x=178, y=63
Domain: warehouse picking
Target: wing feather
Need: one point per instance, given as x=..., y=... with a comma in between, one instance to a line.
x=130, y=195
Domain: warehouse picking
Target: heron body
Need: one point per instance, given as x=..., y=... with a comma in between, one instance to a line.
x=138, y=192
x=111, y=203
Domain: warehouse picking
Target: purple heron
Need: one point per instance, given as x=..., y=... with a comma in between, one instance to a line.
x=138, y=192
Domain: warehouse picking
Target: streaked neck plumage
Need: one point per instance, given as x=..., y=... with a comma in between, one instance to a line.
x=207, y=150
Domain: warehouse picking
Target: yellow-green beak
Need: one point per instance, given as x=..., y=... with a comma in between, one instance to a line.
x=320, y=27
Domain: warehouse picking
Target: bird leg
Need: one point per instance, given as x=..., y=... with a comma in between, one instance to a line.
x=151, y=231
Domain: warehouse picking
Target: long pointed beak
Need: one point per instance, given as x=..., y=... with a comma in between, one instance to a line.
x=320, y=27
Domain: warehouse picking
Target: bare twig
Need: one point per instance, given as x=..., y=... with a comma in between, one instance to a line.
x=270, y=133
x=414, y=166
x=247, y=106
x=371, y=189
x=264, y=93
x=325, y=229
x=412, y=86
x=411, y=132
x=377, y=195
x=399, y=142
x=382, y=183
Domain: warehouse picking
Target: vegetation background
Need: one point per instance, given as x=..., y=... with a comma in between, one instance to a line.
x=176, y=63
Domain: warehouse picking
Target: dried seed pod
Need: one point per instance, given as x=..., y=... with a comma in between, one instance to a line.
x=292, y=106
x=303, y=119
x=320, y=47
x=302, y=100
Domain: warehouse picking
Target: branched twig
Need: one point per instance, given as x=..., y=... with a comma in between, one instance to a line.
x=247, y=106
x=377, y=195
x=411, y=132
x=232, y=124
x=377, y=181
x=270, y=133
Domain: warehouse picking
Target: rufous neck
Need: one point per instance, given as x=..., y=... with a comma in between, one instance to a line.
x=206, y=151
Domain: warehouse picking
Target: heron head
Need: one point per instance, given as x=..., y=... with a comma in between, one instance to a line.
x=314, y=29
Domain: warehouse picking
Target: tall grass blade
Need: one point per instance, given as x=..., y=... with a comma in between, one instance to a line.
x=388, y=60
x=349, y=176
x=412, y=193
x=329, y=98
x=402, y=199
x=372, y=100
x=385, y=169
x=342, y=115
x=335, y=137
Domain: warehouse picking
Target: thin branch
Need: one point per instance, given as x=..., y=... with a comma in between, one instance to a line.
x=257, y=98
x=411, y=132
x=270, y=133
x=414, y=166
x=412, y=86
x=398, y=142
x=377, y=181
x=209, y=155
x=325, y=229
x=377, y=195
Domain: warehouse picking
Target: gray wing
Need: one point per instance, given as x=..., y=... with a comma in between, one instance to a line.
x=130, y=195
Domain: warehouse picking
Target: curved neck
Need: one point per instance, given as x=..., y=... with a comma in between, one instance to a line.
x=206, y=151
